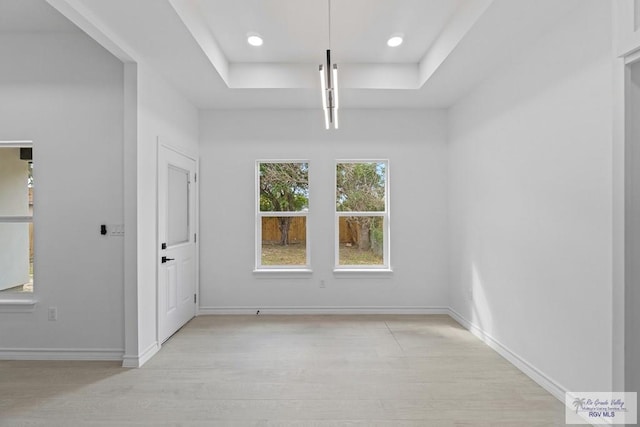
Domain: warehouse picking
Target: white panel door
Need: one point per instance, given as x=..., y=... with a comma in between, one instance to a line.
x=176, y=234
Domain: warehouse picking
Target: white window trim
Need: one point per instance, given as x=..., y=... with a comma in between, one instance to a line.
x=16, y=219
x=279, y=271
x=16, y=144
x=363, y=271
x=283, y=273
x=17, y=302
x=17, y=305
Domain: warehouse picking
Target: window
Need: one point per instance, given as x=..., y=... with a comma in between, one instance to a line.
x=362, y=215
x=16, y=218
x=282, y=207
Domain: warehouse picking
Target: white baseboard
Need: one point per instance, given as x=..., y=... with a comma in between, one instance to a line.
x=61, y=354
x=80, y=354
x=527, y=368
x=136, y=361
x=208, y=311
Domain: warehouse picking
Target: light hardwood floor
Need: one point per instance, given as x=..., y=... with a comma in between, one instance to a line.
x=288, y=371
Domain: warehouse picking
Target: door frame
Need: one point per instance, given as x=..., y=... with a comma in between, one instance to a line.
x=622, y=239
x=162, y=143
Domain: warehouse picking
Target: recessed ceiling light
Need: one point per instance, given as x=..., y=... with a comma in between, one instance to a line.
x=254, y=39
x=395, y=40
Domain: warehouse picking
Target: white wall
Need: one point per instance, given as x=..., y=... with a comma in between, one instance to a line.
x=162, y=113
x=67, y=94
x=531, y=202
x=632, y=293
x=414, y=143
x=64, y=92
x=14, y=193
x=14, y=200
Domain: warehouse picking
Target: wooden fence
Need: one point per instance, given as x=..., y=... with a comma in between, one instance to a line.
x=298, y=230
x=271, y=230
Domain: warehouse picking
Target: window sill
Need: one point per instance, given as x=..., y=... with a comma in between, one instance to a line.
x=283, y=273
x=362, y=273
x=17, y=305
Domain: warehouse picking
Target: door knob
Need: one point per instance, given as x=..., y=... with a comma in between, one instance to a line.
x=165, y=259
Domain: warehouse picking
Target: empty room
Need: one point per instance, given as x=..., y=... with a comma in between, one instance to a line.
x=319, y=212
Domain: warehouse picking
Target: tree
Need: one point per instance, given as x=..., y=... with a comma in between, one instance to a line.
x=284, y=187
x=360, y=187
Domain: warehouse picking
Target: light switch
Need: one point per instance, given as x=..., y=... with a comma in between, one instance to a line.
x=116, y=230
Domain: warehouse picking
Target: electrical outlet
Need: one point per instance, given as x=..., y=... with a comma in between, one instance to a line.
x=322, y=284
x=53, y=313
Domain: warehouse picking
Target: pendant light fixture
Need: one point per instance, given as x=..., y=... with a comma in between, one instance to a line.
x=329, y=85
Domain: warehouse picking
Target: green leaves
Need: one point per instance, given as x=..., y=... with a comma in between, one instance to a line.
x=360, y=187
x=284, y=187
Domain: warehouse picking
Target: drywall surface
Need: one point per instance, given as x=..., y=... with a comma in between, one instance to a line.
x=413, y=141
x=632, y=276
x=531, y=203
x=64, y=92
x=163, y=115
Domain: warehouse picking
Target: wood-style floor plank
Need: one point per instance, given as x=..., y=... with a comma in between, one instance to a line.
x=288, y=371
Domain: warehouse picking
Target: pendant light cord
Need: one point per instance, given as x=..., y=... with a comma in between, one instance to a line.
x=329, y=24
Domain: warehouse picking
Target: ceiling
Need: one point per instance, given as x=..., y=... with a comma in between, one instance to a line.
x=297, y=31
x=32, y=16
x=200, y=47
